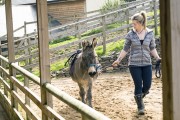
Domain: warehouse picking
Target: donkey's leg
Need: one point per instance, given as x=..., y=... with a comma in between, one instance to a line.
x=82, y=93
x=89, y=93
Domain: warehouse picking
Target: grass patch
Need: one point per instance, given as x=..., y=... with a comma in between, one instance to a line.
x=20, y=78
x=115, y=46
x=91, y=32
x=58, y=65
x=115, y=25
x=62, y=41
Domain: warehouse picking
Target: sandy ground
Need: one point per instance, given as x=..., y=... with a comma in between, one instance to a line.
x=112, y=96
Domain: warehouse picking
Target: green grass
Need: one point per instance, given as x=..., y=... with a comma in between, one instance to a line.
x=58, y=65
x=91, y=32
x=115, y=25
x=115, y=46
x=20, y=78
x=62, y=41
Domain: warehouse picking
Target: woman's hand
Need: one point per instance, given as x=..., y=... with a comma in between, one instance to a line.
x=115, y=63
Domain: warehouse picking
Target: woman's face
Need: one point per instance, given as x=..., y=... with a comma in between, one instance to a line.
x=136, y=25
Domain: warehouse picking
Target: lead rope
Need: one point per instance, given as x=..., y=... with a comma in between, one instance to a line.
x=158, y=70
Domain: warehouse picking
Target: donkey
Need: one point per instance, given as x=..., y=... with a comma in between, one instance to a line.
x=86, y=68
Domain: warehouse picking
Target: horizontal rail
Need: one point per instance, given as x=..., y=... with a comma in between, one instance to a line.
x=74, y=103
x=26, y=73
x=99, y=16
x=28, y=110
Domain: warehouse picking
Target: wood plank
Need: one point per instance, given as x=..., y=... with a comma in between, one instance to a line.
x=170, y=53
x=44, y=59
x=35, y=99
x=10, y=39
x=31, y=113
x=26, y=73
x=74, y=103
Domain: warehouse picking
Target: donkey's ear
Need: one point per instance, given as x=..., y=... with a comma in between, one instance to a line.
x=94, y=42
x=84, y=44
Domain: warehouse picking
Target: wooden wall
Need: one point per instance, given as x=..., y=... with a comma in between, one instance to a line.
x=67, y=11
x=170, y=38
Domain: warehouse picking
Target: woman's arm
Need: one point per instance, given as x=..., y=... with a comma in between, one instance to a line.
x=121, y=56
x=124, y=51
x=155, y=54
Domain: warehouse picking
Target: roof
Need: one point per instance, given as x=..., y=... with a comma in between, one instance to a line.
x=30, y=2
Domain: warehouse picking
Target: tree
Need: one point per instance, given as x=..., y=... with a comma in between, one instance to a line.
x=2, y=2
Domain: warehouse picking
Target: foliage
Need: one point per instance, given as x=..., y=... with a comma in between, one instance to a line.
x=64, y=40
x=2, y=2
x=110, y=5
x=61, y=40
x=115, y=46
x=91, y=32
x=58, y=65
x=20, y=78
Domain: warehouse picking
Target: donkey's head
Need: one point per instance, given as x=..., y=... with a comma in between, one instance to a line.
x=89, y=57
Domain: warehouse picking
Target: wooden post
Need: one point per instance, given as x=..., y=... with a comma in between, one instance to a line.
x=44, y=60
x=104, y=33
x=78, y=33
x=5, y=78
x=27, y=100
x=26, y=43
x=25, y=29
x=0, y=60
x=170, y=43
x=127, y=17
x=11, y=55
x=155, y=17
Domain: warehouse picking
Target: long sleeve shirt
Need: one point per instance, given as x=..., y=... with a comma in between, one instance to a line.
x=139, y=53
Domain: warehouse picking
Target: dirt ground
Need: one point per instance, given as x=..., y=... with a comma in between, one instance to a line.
x=112, y=96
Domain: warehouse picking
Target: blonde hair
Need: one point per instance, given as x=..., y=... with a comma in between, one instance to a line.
x=140, y=17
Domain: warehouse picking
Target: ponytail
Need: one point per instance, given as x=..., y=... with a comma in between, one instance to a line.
x=143, y=13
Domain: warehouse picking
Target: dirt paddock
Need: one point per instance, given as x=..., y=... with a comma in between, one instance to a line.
x=113, y=96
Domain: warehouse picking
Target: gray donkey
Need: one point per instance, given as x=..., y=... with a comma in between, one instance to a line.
x=84, y=69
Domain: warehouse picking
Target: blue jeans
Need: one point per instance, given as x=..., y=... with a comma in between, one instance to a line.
x=142, y=77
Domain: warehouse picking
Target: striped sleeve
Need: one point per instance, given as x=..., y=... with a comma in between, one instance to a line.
x=152, y=45
x=127, y=43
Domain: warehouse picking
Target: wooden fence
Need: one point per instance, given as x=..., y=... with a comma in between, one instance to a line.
x=26, y=47
x=17, y=96
x=8, y=95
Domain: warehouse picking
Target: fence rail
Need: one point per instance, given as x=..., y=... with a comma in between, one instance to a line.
x=25, y=47
x=62, y=96
x=26, y=50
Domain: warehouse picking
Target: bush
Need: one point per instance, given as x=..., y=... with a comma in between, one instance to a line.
x=2, y=2
x=110, y=5
x=61, y=40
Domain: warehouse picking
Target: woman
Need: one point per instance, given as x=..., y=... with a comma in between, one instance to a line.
x=140, y=43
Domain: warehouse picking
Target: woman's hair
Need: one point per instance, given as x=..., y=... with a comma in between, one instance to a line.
x=140, y=17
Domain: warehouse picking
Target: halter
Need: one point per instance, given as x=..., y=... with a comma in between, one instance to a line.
x=97, y=66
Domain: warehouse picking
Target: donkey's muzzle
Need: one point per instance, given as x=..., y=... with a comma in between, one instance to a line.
x=92, y=73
